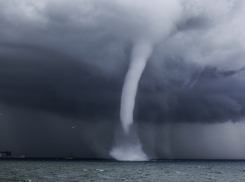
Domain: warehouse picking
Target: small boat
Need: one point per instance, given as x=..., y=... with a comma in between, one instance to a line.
x=69, y=157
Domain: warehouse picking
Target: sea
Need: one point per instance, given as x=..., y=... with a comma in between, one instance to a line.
x=106, y=170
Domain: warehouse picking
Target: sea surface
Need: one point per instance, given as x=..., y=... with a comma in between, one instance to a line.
x=103, y=170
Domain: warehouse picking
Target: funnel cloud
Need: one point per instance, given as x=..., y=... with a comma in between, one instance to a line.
x=140, y=54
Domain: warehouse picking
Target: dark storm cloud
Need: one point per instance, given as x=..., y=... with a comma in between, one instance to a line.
x=208, y=96
x=65, y=62
x=52, y=81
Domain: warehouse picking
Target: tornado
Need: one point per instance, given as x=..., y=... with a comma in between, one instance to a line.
x=128, y=146
x=141, y=52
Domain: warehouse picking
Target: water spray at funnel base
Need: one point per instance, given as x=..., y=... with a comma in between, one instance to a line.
x=129, y=153
x=128, y=150
x=128, y=146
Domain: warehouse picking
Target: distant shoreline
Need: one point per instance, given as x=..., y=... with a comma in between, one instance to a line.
x=104, y=159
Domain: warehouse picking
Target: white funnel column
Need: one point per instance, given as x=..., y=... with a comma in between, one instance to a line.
x=140, y=53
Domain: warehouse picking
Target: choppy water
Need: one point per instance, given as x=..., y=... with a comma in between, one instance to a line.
x=121, y=171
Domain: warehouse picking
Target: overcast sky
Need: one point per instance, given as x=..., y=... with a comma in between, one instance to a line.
x=63, y=64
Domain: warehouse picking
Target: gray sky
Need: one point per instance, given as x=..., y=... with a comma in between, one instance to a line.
x=63, y=63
